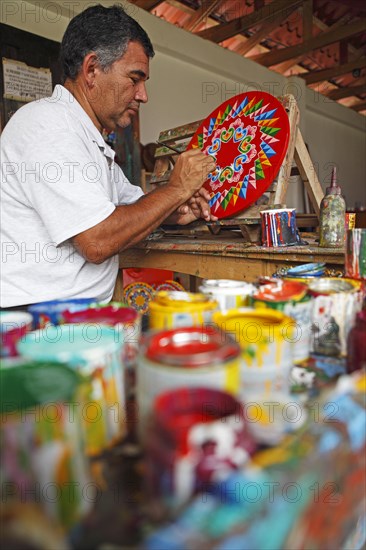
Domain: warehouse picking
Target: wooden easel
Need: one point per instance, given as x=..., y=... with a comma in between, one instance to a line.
x=248, y=220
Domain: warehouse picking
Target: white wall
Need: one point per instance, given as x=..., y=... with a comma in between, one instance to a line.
x=191, y=76
x=336, y=138
x=180, y=92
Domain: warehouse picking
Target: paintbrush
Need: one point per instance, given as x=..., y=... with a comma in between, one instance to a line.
x=169, y=147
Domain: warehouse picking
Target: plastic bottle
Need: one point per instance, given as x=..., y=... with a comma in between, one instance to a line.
x=332, y=216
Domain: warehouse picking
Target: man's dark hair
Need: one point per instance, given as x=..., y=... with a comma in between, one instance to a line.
x=105, y=31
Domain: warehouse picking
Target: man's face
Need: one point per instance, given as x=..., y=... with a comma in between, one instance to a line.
x=120, y=90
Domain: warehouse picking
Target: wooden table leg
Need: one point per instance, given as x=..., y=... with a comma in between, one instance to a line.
x=118, y=289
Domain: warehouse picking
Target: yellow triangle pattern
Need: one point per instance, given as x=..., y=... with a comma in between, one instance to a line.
x=247, y=106
x=264, y=159
x=269, y=122
x=218, y=121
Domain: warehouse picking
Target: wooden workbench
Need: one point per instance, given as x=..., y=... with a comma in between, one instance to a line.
x=222, y=256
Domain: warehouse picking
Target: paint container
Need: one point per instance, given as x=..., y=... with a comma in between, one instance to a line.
x=187, y=356
x=292, y=299
x=227, y=293
x=272, y=417
x=94, y=351
x=307, y=271
x=355, y=260
x=42, y=454
x=350, y=222
x=124, y=319
x=45, y=313
x=13, y=326
x=180, y=309
x=279, y=228
x=335, y=305
x=197, y=437
x=266, y=339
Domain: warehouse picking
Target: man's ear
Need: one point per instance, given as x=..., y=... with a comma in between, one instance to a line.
x=90, y=69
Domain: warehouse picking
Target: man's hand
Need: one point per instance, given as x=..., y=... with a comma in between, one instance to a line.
x=190, y=172
x=195, y=208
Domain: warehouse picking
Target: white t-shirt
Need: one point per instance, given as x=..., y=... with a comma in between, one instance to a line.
x=58, y=178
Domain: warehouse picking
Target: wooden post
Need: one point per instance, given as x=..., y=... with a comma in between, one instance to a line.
x=118, y=289
x=290, y=104
x=298, y=152
x=307, y=173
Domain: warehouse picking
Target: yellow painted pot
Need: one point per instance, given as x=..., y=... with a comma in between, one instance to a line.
x=171, y=309
x=301, y=312
x=266, y=338
x=228, y=293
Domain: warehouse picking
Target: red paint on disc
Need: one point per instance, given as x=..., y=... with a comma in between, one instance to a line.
x=248, y=137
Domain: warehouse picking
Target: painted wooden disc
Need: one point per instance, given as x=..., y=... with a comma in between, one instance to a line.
x=138, y=296
x=170, y=285
x=248, y=137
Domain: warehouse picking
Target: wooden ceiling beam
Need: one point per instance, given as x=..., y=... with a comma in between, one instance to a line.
x=354, y=5
x=360, y=80
x=325, y=74
x=258, y=4
x=341, y=93
x=307, y=28
x=222, y=32
x=286, y=65
x=359, y=106
x=307, y=32
x=146, y=4
x=262, y=33
x=343, y=52
x=324, y=39
x=307, y=20
x=201, y=14
x=322, y=26
x=344, y=48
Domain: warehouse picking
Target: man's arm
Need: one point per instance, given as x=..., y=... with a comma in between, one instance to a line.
x=129, y=224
